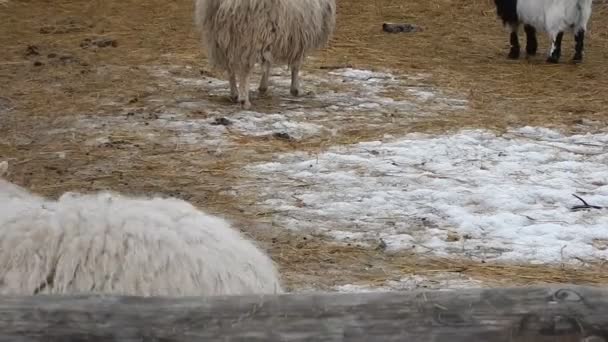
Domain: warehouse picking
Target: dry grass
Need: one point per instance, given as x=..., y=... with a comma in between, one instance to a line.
x=309, y=261
x=462, y=45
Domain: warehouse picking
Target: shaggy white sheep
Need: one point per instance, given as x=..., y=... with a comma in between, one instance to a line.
x=112, y=244
x=551, y=16
x=237, y=34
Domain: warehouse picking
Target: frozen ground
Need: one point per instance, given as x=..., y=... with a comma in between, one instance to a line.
x=471, y=194
x=334, y=101
x=441, y=281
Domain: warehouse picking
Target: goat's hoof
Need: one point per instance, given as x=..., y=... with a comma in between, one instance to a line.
x=234, y=98
x=552, y=60
x=531, y=53
x=262, y=91
x=245, y=104
x=295, y=92
x=577, y=59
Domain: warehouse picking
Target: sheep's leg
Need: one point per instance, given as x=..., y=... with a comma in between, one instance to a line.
x=579, y=37
x=263, y=89
x=531, y=42
x=514, y=39
x=244, y=89
x=234, y=92
x=295, y=79
x=556, y=48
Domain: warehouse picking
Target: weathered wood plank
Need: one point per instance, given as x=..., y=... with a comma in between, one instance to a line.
x=497, y=315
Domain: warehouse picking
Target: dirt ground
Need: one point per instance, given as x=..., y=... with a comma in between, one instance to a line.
x=63, y=60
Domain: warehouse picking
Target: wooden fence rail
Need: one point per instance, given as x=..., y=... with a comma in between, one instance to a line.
x=472, y=315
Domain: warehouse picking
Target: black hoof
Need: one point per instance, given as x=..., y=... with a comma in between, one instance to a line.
x=531, y=53
x=295, y=92
x=234, y=98
x=513, y=54
x=577, y=59
x=552, y=60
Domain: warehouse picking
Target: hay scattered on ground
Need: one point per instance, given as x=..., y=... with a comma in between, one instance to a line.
x=48, y=70
x=309, y=261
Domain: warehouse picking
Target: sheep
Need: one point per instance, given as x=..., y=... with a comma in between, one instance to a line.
x=551, y=16
x=112, y=244
x=238, y=34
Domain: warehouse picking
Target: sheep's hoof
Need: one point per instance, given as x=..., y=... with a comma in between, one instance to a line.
x=262, y=91
x=294, y=91
x=552, y=60
x=234, y=98
x=245, y=104
x=513, y=54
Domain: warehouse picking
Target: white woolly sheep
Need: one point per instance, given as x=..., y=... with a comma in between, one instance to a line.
x=551, y=16
x=237, y=34
x=112, y=244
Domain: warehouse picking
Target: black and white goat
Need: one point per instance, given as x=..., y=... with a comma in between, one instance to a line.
x=552, y=16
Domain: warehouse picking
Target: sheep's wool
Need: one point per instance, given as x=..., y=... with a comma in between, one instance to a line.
x=551, y=16
x=108, y=243
x=237, y=33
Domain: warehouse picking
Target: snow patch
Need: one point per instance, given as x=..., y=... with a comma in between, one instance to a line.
x=472, y=194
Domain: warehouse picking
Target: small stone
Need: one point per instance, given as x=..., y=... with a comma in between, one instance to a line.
x=32, y=50
x=396, y=28
x=221, y=122
x=282, y=136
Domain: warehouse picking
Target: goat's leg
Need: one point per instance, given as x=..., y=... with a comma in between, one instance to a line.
x=531, y=42
x=556, y=47
x=244, y=89
x=295, y=78
x=514, y=40
x=234, y=92
x=263, y=89
x=579, y=37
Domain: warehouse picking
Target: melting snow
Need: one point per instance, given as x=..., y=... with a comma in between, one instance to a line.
x=442, y=281
x=472, y=194
x=335, y=100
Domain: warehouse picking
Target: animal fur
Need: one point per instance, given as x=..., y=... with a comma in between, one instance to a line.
x=238, y=34
x=551, y=16
x=112, y=244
